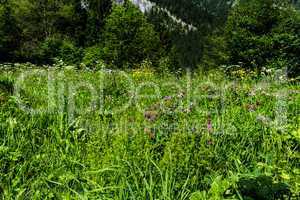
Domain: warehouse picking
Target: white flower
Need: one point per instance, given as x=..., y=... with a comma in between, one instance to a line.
x=269, y=71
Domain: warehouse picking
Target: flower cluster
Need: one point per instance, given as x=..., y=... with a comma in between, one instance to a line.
x=140, y=74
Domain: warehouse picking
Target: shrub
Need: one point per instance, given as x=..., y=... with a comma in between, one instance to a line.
x=69, y=53
x=48, y=50
x=31, y=51
x=261, y=31
x=55, y=47
x=93, y=57
x=164, y=64
x=128, y=37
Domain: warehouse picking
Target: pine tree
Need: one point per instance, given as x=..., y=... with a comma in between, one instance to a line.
x=203, y=14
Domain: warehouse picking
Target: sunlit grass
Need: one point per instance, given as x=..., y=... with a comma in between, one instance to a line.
x=113, y=135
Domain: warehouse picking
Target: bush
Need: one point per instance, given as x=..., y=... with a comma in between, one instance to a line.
x=69, y=53
x=93, y=57
x=261, y=31
x=47, y=51
x=54, y=47
x=128, y=37
x=31, y=51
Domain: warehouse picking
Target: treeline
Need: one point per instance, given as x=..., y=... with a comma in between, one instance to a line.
x=252, y=34
x=91, y=31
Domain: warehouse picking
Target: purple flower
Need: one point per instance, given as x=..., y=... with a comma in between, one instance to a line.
x=151, y=115
x=209, y=125
x=167, y=98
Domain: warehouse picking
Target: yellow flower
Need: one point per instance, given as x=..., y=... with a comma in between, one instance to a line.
x=144, y=73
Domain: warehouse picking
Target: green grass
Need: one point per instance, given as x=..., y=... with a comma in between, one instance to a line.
x=65, y=134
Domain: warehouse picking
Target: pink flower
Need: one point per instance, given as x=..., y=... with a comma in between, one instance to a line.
x=209, y=124
x=210, y=142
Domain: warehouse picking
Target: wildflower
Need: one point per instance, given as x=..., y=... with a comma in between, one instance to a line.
x=109, y=71
x=263, y=119
x=187, y=110
x=151, y=115
x=282, y=78
x=252, y=93
x=251, y=107
x=209, y=124
x=210, y=142
x=167, y=98
x=266, y=93
x=181, y=95
x=269, y=71
x=150, y=133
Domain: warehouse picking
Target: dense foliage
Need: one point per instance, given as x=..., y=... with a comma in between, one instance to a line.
x=129, y=38
x=9, y=33
x=262, y=33
x=173, y=34
x=204, y=14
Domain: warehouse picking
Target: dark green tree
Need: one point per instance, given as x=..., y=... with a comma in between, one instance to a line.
x=203, y=14
x=9, y=32
x=97, y=11
x=261, y=32
x=41, y=21
x=188, y=36
x=128, y=37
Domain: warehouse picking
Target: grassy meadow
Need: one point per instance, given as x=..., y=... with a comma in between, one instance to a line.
x=82, y=134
